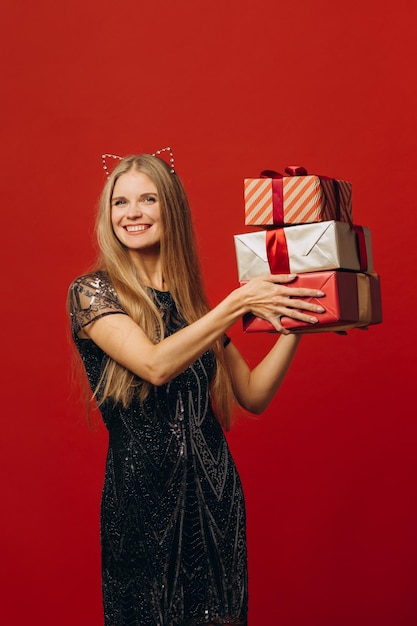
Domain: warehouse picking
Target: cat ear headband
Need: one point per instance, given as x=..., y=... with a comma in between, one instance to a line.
x=104, y=158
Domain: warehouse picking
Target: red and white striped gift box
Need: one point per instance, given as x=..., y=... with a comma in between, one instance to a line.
x=296, y=199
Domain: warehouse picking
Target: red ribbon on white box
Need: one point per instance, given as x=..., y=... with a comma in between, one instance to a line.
x=277, y=250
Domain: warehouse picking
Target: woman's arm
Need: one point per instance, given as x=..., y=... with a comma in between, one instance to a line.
x=125, y=342
x=254, y=389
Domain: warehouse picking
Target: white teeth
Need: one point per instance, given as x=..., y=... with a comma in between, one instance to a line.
x=137, y=228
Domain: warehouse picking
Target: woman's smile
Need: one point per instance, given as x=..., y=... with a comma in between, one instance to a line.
x=137, y=228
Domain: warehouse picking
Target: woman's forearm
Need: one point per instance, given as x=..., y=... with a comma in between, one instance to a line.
x=256, y=388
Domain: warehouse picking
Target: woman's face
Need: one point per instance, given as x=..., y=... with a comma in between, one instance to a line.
x=135, y=212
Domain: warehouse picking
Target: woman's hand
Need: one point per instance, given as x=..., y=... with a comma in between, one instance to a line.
x=270, y=298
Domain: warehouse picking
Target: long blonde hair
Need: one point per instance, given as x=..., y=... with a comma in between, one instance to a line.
x=181, y=272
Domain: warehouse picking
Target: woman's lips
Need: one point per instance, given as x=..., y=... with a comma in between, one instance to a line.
x=136, y=228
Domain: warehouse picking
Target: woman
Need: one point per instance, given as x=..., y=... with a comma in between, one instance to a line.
x=164, y=374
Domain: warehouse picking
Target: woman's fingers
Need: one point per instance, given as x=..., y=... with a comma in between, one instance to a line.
x=301, y=292
x=279, y=278
x=293, y=303
x=276, y=323
x=272, y=299
x=295, y=314
x=279, y=281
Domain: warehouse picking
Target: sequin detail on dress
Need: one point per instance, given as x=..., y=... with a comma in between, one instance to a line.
x=172, y=512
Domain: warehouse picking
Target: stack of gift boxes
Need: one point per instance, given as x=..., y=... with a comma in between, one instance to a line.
x=307, y=229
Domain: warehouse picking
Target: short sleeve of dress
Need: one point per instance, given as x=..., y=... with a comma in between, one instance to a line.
x=90, y=297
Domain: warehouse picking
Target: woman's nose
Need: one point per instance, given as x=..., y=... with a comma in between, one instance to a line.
x=134, y=210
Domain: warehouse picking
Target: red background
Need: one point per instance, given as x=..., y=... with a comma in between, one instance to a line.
x=234, y=87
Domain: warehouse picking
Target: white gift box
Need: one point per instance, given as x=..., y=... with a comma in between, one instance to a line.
x=309, y=247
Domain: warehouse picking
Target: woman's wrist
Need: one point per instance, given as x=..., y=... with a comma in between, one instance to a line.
x=236, y=303
x=290, y=341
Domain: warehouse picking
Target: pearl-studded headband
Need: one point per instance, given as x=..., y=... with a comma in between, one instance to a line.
x=119, y=158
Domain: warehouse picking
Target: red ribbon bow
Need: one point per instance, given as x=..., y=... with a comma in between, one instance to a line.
x=277, y=189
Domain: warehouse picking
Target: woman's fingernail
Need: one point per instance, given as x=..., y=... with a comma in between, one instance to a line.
x=320, y=293
x=320, y=309
x=313, y=320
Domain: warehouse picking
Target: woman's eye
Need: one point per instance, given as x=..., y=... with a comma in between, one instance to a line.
x=119, y=202
x=150, y=199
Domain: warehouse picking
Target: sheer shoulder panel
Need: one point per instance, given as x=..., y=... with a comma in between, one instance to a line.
x=90, y=297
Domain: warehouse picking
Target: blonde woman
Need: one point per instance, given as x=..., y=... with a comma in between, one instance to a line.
x=165, y=376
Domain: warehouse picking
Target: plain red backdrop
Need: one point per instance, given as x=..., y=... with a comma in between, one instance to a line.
x=234, y=87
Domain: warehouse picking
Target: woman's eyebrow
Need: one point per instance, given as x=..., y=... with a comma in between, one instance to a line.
x=142, y=195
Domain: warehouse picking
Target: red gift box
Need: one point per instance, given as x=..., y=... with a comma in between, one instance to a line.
x=351, y=300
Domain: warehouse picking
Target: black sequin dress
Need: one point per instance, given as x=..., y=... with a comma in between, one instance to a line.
x=173, y=513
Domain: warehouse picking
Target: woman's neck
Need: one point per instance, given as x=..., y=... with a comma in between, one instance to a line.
x=149, y=271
